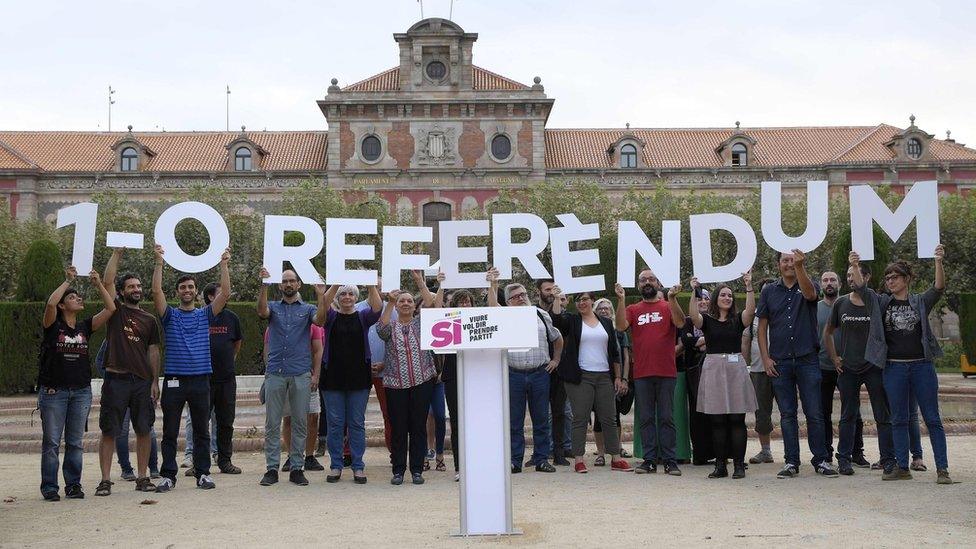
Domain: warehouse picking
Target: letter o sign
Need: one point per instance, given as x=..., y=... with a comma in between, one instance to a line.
x=165, y=235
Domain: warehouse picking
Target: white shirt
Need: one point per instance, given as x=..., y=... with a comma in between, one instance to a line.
x=593, y=348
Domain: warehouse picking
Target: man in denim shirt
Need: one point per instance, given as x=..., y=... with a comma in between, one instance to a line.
x=289, y=374
x=789, y=349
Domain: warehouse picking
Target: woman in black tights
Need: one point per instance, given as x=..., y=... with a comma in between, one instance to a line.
x=725, y=392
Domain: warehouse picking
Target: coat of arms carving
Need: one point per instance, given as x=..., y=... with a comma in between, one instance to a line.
x=436, y=147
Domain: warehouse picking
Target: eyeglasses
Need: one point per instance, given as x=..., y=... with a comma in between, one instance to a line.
x=582, y=298
x=520, y=295
x=644, y=279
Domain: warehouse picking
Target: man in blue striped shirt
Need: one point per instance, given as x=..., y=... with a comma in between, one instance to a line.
x=187, y=368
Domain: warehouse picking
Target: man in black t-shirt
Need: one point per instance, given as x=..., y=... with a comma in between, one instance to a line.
x=225, y=343
x=852, y=319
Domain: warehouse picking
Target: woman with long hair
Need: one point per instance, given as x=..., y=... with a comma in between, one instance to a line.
x=901, y=342
x=725, y=392
x=64, y=382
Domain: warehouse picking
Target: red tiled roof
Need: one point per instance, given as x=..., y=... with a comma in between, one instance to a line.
x=10, y=160
x=695, y=147
x=174, y=151
x=389, y=80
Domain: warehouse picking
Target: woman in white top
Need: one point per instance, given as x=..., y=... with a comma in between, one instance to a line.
x=590, y=368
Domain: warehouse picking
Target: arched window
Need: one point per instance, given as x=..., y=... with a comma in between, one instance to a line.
x=130, y=160
x=371, y=148
x=242, y=159
x=740, y=155
x=628, y=156
x=913, y=148
x=434, y=213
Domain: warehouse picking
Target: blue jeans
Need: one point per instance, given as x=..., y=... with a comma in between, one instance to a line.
x=346, y=410
x=63, y=412
x=122, y=447
x=188, y=427
x=902, y=380
x=802, y=376
x=531, y=387
x=438, y=407
x=914, y=433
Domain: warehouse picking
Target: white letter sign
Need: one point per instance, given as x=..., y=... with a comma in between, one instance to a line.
x=921, y=203
x=300, y=257
x=772, y=217
x=165, y=235
x=701, y=246
x=564, y=259
x=337, y=252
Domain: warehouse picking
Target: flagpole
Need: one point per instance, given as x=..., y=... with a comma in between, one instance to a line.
x=227, y=123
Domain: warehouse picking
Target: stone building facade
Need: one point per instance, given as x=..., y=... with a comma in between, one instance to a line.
x=436, y=136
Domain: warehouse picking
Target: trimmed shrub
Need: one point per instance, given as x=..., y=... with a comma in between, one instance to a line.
x=882, y=256
x=41, y=271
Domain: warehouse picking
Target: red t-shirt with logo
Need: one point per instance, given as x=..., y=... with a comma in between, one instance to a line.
x=653, y=337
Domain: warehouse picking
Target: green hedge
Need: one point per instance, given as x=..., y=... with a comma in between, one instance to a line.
x=967, y=325
x=21, y=334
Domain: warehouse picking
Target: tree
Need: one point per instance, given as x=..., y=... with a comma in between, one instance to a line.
x=41, y=271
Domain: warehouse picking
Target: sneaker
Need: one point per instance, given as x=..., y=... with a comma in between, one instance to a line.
x=229, y=469
x=943, y=477
x=877, y=466
x=897, y=473
x=561, y=461
x=104, y=488
x=621, y=465
x=154, y=474
x=762, y=457
x=788, y=471
x=516, y=469
x=844, y=467
x=187, y=462
x=51, y=496
x=270, y=477
x=205, y=483
x=73, y=491
x=826, y=469
x=297, y=476
x=671, y=468
x=359, y=479
x=320, y=449
x=333, y=476
x=286, y=466
x=430, y=454
x=145, y=485
x=646, y=467
x=545, y=467
x=860, y=462
x=312, y=464
x=128, y=475
x=165, y=485
x=918, y=465
x=396, y=480
x=418, y=478
x=580, y=467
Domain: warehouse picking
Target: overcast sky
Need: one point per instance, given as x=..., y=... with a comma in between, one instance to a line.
x=650, y=63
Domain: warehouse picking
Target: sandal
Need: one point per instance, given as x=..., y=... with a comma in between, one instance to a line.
x=426, y=465
x=918, y=466
x=440, y=465
x=104, y=488
x=600, y=461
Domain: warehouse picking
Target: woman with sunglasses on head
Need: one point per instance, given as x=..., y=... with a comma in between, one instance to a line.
x=725, y=391
x=64, y=382
x=901, y=342
x=590, y=367
x=625, y=400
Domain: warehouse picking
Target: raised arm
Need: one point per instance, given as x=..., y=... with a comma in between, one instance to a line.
x=159, y=297
x=388, y=310
x=427, y=298
x=621, y=313
x=111, y=271
x=750, y=311
x=325, y=299
x=220, y=300
x=439, y=296
x=677, y=315
x=374, y=299
x=492, y=277
x=108, y=300
x=51, y=309
x=693, y=313
x=939, y=270
x=807, y=288
x=263, y=311
x=557, y=305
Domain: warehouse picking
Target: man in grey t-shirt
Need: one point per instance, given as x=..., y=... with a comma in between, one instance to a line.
x=845, y=338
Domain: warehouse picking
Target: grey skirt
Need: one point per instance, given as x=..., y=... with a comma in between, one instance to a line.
x=725, y=386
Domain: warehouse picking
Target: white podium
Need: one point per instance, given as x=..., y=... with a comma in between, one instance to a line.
x=481, y=336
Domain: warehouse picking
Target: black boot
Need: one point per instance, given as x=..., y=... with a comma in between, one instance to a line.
x=721, y=469
x=738, y=469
